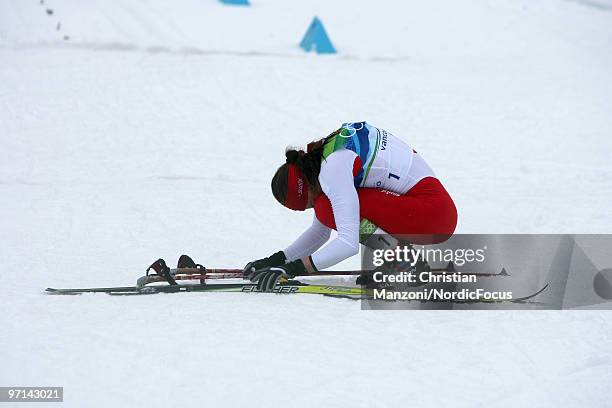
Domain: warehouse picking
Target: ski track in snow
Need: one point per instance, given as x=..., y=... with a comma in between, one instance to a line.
x=155, y=128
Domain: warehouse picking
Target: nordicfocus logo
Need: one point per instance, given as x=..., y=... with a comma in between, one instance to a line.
x=300, y=187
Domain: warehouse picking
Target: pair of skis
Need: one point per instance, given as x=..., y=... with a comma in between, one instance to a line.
x=289, y=287
x=187, y=270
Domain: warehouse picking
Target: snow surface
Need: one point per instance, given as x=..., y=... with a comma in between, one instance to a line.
x=153, y=130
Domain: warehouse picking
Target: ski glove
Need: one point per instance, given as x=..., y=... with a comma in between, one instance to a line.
x=267, y=278
x=276, y=259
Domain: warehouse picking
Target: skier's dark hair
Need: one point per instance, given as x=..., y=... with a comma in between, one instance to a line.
x=309, y=162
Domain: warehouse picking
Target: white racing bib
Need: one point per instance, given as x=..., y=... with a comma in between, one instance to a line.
x=388, y=163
